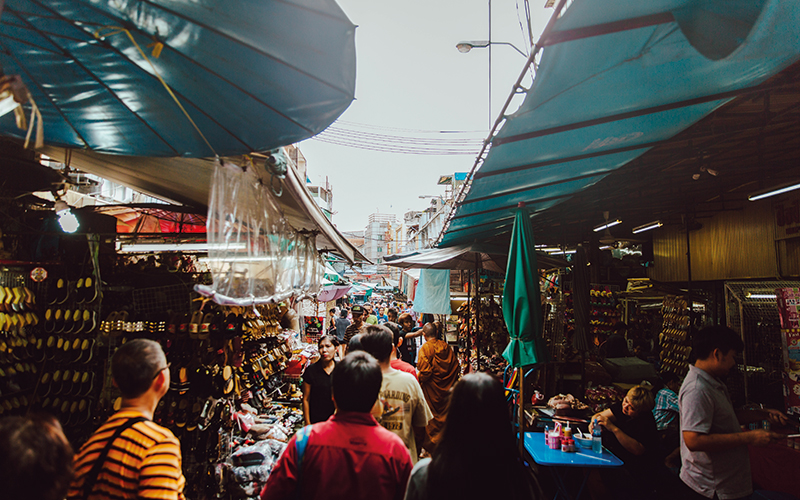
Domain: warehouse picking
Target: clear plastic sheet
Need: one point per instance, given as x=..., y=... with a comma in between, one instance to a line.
x=255, y=256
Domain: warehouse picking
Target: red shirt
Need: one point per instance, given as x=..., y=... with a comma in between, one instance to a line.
x=347, y=456
x=399, y=364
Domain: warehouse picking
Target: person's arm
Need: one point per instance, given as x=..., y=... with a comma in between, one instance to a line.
x=160, y=474
x=627, y=442
x=411, y=335
x=424, y=366
x=604, y=415
x=774, y=416
x=282, y=481
x=697, y=441
x=307, y=403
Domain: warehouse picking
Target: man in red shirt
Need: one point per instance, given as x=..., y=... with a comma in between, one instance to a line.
x=349, y=455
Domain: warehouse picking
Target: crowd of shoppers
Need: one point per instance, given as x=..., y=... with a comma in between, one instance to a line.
x=378, y=426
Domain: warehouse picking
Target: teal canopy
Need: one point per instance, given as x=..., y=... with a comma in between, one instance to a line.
x=616, y=78
x=522, y=303
x=252, y=74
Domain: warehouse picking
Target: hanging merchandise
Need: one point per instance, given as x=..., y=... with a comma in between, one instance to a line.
x=255, y=256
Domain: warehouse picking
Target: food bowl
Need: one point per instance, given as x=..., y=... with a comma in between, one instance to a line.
x=583, y=442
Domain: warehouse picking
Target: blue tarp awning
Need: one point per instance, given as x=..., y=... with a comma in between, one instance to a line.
x=618, y=78
x=252, y=74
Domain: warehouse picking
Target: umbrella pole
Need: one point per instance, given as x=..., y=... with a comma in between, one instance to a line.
x=521, y=404
x=470, y=334
x=478, y=312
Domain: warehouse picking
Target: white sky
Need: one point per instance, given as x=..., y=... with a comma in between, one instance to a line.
x=410, y=76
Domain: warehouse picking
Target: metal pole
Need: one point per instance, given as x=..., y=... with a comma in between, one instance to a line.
x=470, y=333
x=478, y=311
x=490, y=64
x=689, y=270
x=521, y=412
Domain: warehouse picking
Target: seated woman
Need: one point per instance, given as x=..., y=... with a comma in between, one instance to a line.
x=629, y=432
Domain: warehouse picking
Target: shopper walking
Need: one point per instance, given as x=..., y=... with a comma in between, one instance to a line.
x=408, y=350
x=405, y=411
x=348, y=456
x=357, y=326
x=341, y=328
x=129, y=456
x=36, y=461
x=470, y=464
x=438, y=372
x=317, y=402
x=397, y=341
x=715, y=460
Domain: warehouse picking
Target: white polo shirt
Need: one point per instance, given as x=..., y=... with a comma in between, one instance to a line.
x=706, y=408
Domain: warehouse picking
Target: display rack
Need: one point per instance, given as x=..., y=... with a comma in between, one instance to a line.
x=752, y=311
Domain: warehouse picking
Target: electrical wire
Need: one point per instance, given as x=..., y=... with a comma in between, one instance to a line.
x=401, y=144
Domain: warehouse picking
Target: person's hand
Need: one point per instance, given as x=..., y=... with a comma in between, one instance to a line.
x=761, y=437
x=776, y=417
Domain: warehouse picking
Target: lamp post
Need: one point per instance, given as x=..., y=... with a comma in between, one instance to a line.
x=466, y=46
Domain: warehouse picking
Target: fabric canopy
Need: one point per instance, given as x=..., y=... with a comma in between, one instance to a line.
x=464, y=257
x=615, y=79
x=252, y=74
x=330, y=293
x=433, y=292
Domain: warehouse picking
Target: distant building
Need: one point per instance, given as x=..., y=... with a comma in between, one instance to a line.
x=423, y=228
x=379, y=237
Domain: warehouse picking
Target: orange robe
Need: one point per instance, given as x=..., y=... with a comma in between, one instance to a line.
x=438, y=370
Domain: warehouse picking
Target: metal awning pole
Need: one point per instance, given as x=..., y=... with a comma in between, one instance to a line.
x=478, y=311
x=521, y=404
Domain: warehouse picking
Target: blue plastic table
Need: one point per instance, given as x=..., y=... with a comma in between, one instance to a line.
x=560, y=462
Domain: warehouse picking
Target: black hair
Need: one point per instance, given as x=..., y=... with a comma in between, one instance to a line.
x=377, y=340
x=135, y=365
x=397, y=332
x=457, y=471
x=356, y=382
x=36, y=461
x=355, y=343
x=620, y=328
x=343, y=314
x=715, y=337
x=332, y=338
x=391, y=310
x=332, y=310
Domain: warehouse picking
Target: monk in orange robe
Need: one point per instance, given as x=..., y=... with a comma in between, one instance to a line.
x=438, y=370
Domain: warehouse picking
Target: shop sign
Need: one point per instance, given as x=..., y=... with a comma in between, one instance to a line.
x=313, y=324
x=791, y=372
x=787, y=219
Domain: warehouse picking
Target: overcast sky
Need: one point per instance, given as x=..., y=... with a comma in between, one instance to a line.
x=410, y=77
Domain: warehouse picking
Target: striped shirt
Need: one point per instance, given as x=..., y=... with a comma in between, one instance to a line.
x=143, y=462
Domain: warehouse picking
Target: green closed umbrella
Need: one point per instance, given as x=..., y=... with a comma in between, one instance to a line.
x=522, y=305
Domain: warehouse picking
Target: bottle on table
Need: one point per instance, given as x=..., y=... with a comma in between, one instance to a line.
x=597, y=437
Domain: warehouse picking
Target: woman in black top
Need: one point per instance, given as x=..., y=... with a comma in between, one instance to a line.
x=317, y=401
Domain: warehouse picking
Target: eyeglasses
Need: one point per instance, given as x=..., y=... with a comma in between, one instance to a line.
x=161, y=370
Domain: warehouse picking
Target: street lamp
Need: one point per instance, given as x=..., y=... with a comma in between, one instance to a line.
x=466, y=46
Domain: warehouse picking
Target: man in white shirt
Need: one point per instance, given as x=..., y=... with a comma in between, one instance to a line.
x=405, y=411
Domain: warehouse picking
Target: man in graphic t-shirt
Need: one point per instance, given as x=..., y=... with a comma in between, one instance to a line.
x=405, y=411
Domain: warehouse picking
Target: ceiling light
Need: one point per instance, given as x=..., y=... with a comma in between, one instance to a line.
x=607, y=225
x=606, y=247
x=66, y=219
x=549, y=249
x=177, y=247
x=761, y=296
x=774, y=191
x=647, y=227
x=562, y=252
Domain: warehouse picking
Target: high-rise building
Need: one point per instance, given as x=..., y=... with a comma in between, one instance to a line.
x=379, y=236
